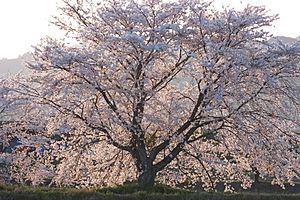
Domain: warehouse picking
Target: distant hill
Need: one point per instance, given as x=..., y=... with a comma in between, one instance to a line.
x=285, y=40
x=13, y=66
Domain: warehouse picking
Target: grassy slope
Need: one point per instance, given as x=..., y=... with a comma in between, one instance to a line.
x=129, y=192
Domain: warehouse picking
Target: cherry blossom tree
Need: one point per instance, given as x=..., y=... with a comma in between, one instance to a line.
x=160, y=91
x=4, y=157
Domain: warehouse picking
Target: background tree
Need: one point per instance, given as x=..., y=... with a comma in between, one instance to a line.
x=173, y=92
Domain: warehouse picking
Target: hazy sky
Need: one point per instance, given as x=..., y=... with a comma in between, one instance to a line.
x=24, y=22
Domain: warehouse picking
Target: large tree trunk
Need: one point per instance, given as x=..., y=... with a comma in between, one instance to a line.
x=145, y=168
x=147, y=178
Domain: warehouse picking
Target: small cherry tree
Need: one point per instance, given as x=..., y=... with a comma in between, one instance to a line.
x=168, y=91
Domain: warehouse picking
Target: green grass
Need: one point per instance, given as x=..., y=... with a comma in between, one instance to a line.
x=129, y=192
x=132, y=188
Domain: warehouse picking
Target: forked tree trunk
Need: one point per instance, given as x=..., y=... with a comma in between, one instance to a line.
x=147, y=178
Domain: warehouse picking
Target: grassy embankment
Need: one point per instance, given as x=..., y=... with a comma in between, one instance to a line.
x=131, y=192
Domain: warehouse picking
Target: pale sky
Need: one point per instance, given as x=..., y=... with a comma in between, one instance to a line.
x=24, y=22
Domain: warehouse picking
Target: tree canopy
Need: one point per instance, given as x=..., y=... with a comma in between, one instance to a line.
x=175, y=92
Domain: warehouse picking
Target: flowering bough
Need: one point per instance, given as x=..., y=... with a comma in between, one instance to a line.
x=173, y=92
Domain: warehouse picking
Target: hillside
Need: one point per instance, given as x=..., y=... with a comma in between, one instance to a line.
x=285, y=40
x=13, y=66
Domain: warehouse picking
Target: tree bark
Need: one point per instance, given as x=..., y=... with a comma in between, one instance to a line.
x=147, y=178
